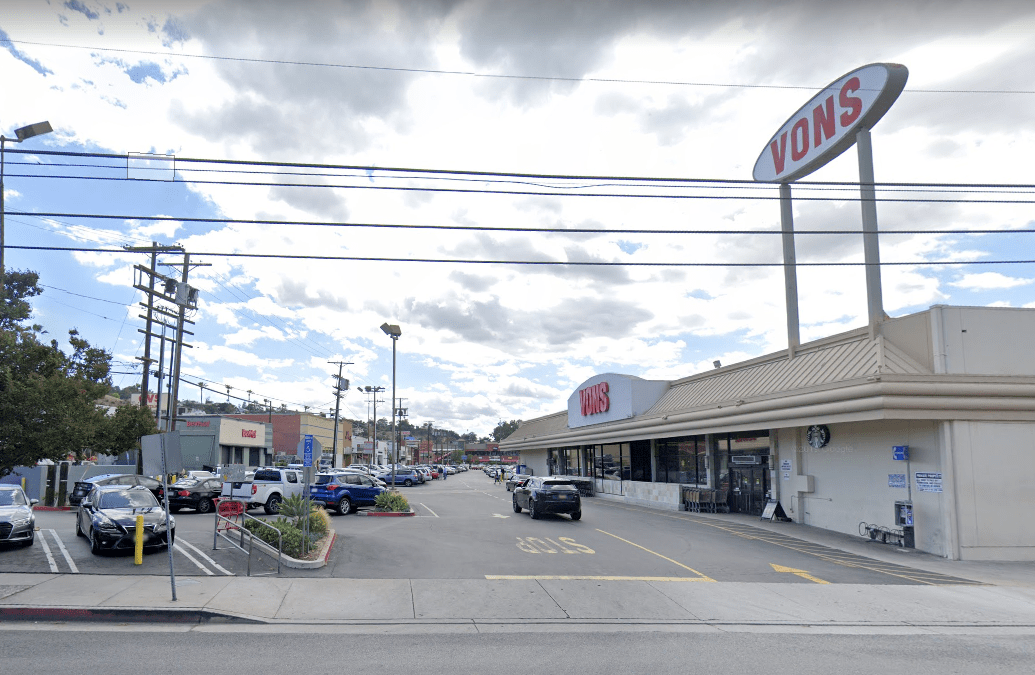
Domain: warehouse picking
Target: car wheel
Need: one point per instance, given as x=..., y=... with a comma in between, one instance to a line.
x=517, y=509
x=408, y=483
x=272, y=505
x=532, y=510
x=78, y=530
x=170, y=539
x=576, y=515
x=344, y=506
x=205, y=506
x=174, y=509
x=32, y=539
x=95, y=544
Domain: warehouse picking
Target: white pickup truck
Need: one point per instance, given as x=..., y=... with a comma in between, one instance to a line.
x=267, y=488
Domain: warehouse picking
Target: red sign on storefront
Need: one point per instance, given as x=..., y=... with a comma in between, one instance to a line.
x=593, y=400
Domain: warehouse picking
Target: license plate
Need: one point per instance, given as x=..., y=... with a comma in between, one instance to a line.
x=562, y=496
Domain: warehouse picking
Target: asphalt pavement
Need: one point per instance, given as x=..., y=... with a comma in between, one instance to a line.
x=919, y=593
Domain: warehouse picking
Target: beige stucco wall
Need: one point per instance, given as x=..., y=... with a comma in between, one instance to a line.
x=850, y=478
x=994, y=479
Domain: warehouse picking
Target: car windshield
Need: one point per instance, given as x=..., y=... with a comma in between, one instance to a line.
x=12, y=498
x=558, y=485
x=186, y=482
x=323, y=479
x=130, y=499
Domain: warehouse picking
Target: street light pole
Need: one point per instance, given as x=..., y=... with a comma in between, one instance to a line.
x=393, y=331
x=20, y=135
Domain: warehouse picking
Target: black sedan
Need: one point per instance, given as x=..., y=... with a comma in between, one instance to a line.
x=83, y=487
x=194, y=493
x=516, y=480
x=17, y=522
x=108, y=518
x=548, y=495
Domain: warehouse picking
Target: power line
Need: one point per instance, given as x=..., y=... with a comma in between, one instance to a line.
x=488, y=228
x=476, y=74
x=541, y=263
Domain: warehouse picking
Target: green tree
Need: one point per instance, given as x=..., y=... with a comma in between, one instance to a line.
x=504, y=429
x=47, y=397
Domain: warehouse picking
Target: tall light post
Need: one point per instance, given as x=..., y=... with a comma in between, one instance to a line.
x=393, y=331
x=20, y=135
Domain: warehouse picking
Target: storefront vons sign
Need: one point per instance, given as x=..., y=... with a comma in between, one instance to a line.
x=827, y=125
x=594, y=399
x=611, y=396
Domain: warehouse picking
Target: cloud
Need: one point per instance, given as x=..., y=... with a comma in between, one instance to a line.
x=984, y=281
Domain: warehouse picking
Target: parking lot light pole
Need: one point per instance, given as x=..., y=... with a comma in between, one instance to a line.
x=393, y=331
x=20, y=135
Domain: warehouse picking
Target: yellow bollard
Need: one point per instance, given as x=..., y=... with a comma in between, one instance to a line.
x=138, y=552
x=23, y=484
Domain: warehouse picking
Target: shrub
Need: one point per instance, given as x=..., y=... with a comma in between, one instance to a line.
x=391, y=501
x=294, y=507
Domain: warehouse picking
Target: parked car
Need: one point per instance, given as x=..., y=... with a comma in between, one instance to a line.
x=515, y=480
x=267, y=488
x=83, y=487
x=548, y=495
x=406, y=476
x=194, y=493
x=344, y=492
x=17, y=521
x=107, y=517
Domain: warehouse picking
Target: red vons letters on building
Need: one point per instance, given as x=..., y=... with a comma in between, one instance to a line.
x=827, y=125
x=595, y=399
x=248, y=433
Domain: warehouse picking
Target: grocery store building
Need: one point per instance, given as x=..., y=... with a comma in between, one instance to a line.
x=930, y=416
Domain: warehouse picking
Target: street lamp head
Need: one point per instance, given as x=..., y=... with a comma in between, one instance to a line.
x=37, y=129
x=391, y=329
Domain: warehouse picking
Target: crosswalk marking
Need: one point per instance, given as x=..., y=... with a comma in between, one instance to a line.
x=64, y=551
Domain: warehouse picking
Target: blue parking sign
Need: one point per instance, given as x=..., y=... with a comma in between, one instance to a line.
x=307, y=452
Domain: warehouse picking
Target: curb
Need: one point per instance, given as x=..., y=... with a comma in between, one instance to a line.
x=295, y=563
x=388, y=514
x=119, y=615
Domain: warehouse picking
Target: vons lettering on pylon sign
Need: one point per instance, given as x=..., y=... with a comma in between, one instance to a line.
x=827, y=125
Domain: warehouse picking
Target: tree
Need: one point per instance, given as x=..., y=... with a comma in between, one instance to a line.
x=47, y=397
x=504, y=429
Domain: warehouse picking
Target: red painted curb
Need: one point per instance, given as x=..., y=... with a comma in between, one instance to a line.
x=51, y=508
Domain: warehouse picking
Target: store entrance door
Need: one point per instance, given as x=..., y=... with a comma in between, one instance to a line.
x=749, y=486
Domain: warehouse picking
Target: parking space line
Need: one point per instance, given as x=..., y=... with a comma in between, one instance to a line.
x=50, y=557
x=432, y=512
x=206, y=557
x=194, y=560
x=704, y=577
x=64, y=551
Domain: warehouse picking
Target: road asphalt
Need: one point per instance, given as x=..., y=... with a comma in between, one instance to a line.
x=987, y=596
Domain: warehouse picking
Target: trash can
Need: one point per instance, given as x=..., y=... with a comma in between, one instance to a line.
x=904, y=520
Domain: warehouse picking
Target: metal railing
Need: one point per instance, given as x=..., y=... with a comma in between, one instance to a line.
x=233, y=525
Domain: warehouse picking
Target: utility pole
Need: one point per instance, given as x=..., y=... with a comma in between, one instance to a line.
x=339, y=386
x=400, y=413
x=149, y=290
x=373, y=392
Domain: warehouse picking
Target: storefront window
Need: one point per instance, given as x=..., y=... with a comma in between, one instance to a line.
x=681, y=460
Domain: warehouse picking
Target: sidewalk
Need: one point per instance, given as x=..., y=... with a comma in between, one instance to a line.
x=1005, y=602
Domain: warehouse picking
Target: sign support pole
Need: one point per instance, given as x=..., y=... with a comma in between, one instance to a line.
x=790, y=273
x=871, y=244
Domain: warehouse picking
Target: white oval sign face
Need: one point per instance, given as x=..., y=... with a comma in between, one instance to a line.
x=826, y=126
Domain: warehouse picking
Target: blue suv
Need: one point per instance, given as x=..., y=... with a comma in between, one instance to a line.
x=344, y=492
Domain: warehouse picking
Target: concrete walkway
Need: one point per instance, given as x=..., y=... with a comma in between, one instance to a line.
x=1004, y=598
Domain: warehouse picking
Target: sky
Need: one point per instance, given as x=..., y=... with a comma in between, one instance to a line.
x=493, y=134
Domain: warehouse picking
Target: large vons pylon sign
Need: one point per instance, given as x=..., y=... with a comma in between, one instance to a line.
x=827, y=125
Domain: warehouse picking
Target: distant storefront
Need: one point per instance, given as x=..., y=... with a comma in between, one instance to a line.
x=214, y=440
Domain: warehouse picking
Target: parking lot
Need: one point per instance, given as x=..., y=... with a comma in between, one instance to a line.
x=465, y=528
